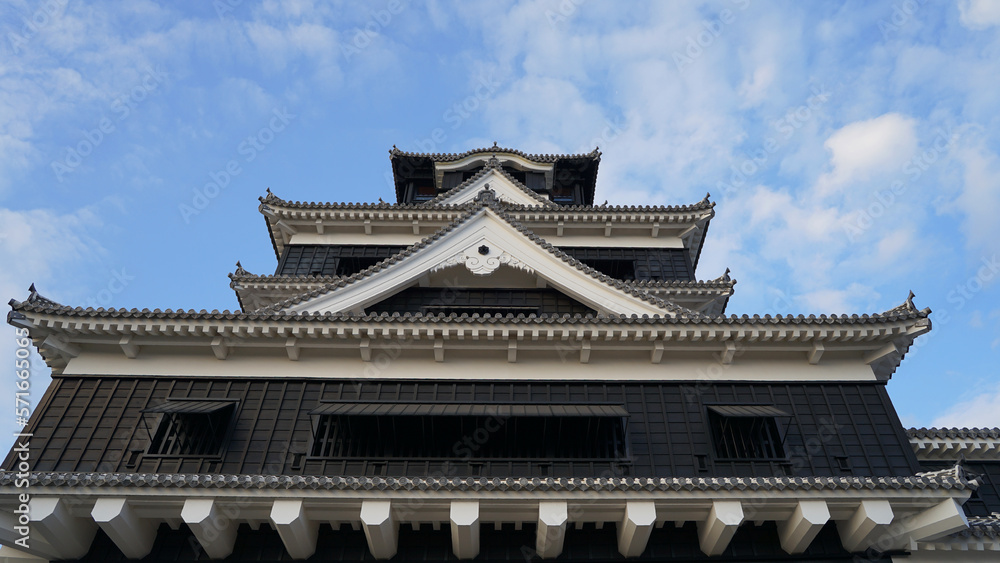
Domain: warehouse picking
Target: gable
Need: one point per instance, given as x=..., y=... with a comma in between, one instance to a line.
x=504, y=187
x=484, y=243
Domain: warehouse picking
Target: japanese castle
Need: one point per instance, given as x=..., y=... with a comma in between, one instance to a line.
x=493, y=368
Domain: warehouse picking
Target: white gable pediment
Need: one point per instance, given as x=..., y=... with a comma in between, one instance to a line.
x=484, y=244
x=503, y=187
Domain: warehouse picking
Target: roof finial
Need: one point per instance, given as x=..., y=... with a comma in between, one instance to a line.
x=239, y=270
x=486, y=195
x=494, y=144
x=909, y=301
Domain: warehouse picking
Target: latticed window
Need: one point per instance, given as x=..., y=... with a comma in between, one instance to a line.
x=746, y=432
x=191, y=427
x=469, y=431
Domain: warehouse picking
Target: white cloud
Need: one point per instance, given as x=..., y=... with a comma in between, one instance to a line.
x=979, y=14
x=755, y=88
x=865, y=149
x=40, y=246
x=976, y=319
x=980, y=198
x=981, y=411
x=837, y=301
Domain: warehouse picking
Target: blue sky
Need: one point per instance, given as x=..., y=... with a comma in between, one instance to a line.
x=851, y=147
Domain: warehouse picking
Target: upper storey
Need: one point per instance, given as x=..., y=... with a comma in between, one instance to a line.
x=560, y=179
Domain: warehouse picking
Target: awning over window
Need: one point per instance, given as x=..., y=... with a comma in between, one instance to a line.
x=747, y=410
x=189, y=407
x=492, y=409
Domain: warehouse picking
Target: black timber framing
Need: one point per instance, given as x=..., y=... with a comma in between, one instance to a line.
x=447, y=300
x=649, y=264
x=92, y=423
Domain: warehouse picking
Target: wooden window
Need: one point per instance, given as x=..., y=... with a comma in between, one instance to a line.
x=418, y=431
x=745, y=432
x=191, y=427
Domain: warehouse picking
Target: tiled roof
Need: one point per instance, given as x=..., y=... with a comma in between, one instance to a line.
x=449, y=157
x=272, y=200
x=953, y=433
x=483, y=200
x=46, y=306
x=166, y=480
x=981, y=527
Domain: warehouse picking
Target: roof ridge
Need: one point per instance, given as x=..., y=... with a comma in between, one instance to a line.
x=447, y=157
x=952, y=432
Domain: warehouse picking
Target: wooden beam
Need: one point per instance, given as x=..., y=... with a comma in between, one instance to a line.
x=512, y=351
x=292, y=348
x=220, y=348
x=657, y=355
x=801, y=528
x=816, y=353
x=214, y=531
x=134, y=536
x=585, y=352
x=551, y=531
x=882, y=352
x=59, y=344
x=715, y=533
x=729, y=353
x=69, y=536
x=945, y=518
x=635, y=527
x=130, y=350
x=297, y=531
x=858, y=532
x=381, y=528
x=438, y=350
x=464, y=518
x=365, y=346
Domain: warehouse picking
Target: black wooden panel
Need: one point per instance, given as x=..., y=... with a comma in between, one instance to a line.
x=444, y=300
x=96, y=424
x=636, y=263
x=621, y=263
x=330, y=260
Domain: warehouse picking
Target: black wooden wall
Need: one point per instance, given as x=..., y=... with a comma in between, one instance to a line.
x=96, y=424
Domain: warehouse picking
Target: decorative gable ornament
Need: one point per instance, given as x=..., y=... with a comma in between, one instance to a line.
x=483, y=260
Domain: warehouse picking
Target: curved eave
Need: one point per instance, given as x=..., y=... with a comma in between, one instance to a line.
x=282, y=287
x=59, y=332
x=951, y=444
x=284, y=218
